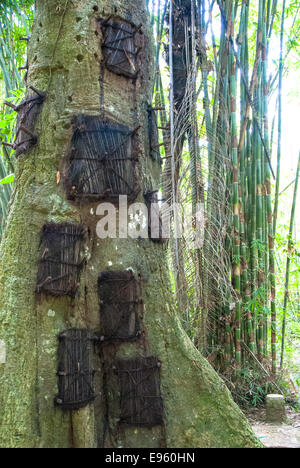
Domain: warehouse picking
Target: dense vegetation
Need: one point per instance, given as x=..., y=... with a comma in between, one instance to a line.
x=221, y=68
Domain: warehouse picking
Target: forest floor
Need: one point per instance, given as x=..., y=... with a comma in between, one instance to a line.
x=286, y=435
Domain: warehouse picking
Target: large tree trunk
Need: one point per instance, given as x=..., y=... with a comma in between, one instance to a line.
x=64, y=58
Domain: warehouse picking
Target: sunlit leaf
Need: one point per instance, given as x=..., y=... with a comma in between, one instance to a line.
x=8, y=179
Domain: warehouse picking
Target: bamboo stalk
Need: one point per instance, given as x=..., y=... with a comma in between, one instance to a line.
x=288, y=264
x=270, y=261
x=267, y=202
x=279, y=121
x=236, y=205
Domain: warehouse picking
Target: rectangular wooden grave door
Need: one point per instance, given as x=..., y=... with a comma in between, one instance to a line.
x=121, y=45
x=140, y=398
x=102, y=161
x=120, y=306
x=61, y=260
x=75, y=369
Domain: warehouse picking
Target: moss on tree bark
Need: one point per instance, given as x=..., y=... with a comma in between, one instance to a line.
x=64, y=59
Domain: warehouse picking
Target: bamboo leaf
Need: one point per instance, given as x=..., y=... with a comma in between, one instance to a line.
x=8, y=179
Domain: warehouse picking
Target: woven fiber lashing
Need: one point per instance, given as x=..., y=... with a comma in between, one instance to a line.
x=121, y=45
x=61, y=259
x=121, y=306
x=153, y=135
x=75, y=368
x=140, y=398
x=28, y=112
x=102, y=161
x=155, y=226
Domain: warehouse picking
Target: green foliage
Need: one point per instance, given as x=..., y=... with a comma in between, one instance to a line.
x=259, y=245
x=256, y=394
x=295, y=329
x=15, y=22
x=251, y=386
x=7, y=180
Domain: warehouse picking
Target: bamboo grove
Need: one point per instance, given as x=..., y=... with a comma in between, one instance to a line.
x=214, y=81
x=218, y=153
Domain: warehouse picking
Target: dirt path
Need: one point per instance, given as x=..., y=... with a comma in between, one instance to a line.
x=277, y=435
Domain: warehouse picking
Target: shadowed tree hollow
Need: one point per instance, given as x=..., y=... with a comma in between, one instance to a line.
x=62, y=287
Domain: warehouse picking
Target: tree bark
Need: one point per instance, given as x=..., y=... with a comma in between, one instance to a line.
x=64, y=58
